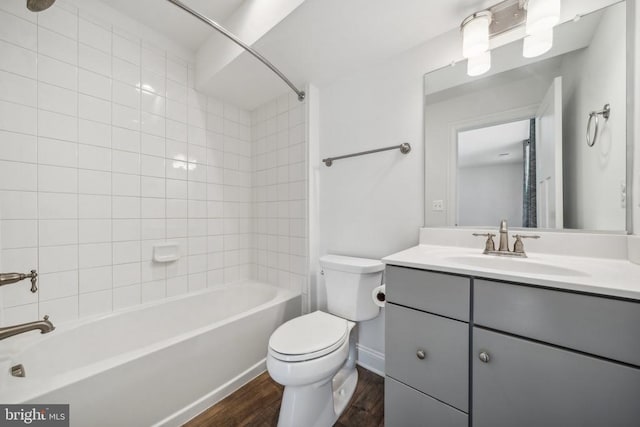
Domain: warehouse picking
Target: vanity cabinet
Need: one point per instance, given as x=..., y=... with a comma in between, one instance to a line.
x=525, y=383
x=520, y=355
x=427, y=337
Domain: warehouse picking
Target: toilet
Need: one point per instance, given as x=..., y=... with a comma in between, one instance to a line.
x=314, y=356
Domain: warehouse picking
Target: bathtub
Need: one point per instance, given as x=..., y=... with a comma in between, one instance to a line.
x=157, y=364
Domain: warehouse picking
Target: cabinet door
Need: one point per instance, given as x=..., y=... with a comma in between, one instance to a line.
x=429, y=353
x=596, y=325
x=406, y=407
x=525, y=383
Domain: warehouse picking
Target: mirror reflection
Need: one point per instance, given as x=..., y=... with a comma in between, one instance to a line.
x=513, y=143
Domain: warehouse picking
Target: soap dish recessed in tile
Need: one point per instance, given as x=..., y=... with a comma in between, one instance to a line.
x=166, y=252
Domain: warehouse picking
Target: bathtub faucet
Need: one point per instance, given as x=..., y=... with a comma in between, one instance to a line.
x=45, y=327
x=9, y=278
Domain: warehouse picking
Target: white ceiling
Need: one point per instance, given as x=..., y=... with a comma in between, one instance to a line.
x=492, y=144
x=174, y=23
x=318, y=42
x=325, y=39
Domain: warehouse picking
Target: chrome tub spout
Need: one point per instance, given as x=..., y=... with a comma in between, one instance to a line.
x=45, y=326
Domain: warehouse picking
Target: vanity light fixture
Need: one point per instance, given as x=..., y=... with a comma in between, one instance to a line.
x=538, y=16
x=475, y=42
x=537, y=44
x=542, y=15
x=475, y=34
x=477, y=65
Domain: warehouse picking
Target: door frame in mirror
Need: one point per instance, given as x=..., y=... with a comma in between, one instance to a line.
x=513, y=115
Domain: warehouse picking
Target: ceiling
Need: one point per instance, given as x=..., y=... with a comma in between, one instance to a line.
x=492, y=144
x=175, y=24
x=318, y=42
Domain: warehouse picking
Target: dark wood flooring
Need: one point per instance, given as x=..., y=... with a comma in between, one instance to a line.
x=258, y=404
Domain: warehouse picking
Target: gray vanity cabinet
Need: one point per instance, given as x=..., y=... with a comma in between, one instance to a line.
x=427, y=341
x=527, y=384
x=406, y=407
x=431, y=354
x=464, y=351
x=544, y=357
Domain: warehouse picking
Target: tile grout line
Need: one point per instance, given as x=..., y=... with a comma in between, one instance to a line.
x=77, y=17
x=38, y=165
x=113, y=290
x=140, y=130
x=164, y=267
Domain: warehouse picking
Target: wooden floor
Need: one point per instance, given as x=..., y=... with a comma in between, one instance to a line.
x=258, y=403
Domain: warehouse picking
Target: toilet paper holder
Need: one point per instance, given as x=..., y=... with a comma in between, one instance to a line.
x=379, y=295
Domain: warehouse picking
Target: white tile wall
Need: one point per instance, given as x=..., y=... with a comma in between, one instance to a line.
x=106, y=149
x=280, y=192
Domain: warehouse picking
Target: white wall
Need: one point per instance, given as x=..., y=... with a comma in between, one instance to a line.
x=372, y=206
x=633, y=125
x=94, y=171
x=593, y=175
x=490, y=193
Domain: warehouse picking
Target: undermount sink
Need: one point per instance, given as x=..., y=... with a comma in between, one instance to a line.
x=519, y=265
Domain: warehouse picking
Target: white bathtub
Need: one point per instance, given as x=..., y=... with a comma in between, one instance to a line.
x=157, y=364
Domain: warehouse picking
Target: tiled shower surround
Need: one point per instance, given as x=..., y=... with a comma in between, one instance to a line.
x=106, y=149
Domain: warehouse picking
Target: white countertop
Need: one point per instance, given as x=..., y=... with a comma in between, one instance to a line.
x=611, y=277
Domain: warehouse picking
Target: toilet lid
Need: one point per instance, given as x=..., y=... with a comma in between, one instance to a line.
x=308, y=337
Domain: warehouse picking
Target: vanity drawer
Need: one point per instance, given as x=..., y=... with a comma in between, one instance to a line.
x=443, y=372
x=597, y=325
x=437, y=293
x=406, y=407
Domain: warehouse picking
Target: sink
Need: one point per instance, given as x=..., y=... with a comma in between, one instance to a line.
x=518, y=265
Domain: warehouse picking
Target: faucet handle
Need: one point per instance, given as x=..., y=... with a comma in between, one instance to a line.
x=518, y=246
x=489, y=245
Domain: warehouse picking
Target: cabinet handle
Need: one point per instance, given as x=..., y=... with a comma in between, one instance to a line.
x=421, y=354
x=484, y=357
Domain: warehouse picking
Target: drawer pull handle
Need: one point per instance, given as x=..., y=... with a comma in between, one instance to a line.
x=421, y=354
x=484, y=357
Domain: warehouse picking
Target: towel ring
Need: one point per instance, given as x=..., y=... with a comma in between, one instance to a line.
x=605, y=112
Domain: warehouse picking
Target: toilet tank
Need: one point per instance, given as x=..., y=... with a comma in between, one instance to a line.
x=349, y=282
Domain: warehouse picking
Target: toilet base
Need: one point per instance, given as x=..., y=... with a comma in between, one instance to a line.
x=318, y=405
x=343, y=385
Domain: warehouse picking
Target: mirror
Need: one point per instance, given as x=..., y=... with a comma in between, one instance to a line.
x=513, y=143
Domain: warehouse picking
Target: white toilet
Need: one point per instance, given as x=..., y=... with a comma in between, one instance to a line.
x=314, y=355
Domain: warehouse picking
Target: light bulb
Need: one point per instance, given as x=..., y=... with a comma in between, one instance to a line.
x=480, y=64
x=475, y=34
x=537, y=44
x=542, y=15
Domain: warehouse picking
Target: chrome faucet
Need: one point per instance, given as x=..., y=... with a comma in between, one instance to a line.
x=504, y=237
x=503, y=248
x=9, y=278
x=45, y=327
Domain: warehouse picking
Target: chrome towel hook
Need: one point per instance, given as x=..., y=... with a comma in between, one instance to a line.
x=605, y=112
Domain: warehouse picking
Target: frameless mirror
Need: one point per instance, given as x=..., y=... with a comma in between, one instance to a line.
x=530, y=141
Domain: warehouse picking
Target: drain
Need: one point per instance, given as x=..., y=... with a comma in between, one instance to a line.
x=18, y=371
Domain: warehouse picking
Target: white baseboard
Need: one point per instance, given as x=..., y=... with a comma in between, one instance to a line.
x=370, y=359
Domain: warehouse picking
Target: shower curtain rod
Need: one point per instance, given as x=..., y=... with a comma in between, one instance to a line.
x=236, y=40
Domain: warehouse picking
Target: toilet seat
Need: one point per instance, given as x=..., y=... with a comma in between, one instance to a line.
x=308, y=337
